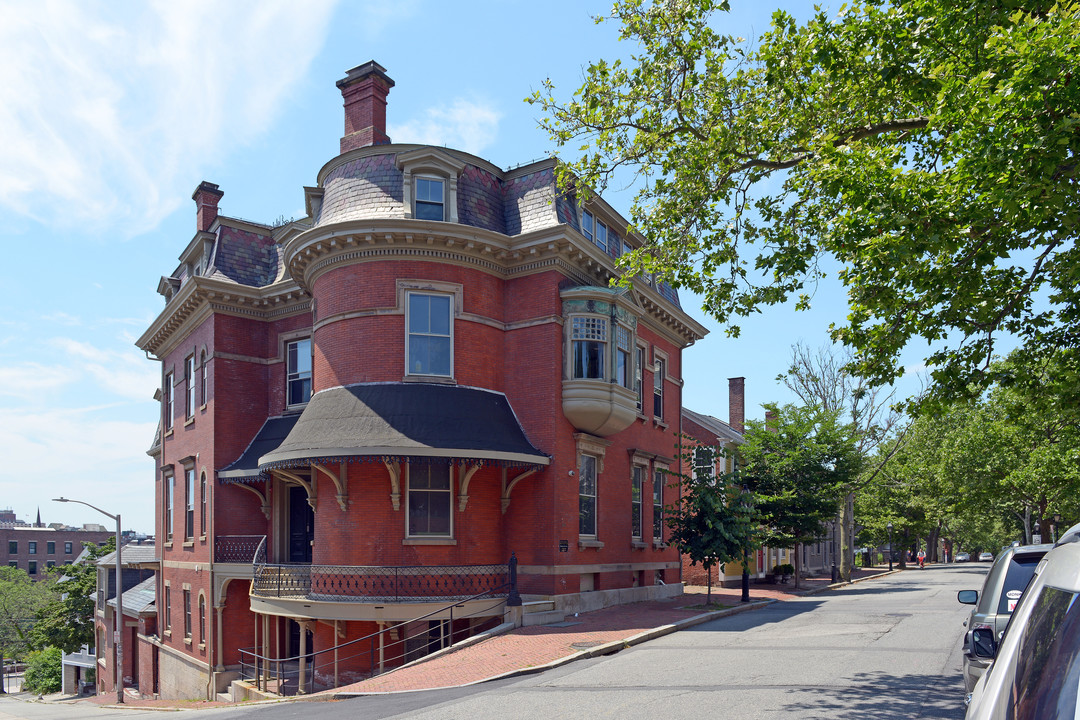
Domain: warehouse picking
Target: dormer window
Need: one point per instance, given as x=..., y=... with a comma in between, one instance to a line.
x=602, y=236
x=430, y=179
x=429, y=199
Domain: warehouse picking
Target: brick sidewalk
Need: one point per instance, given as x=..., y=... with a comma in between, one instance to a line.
x=530, y=649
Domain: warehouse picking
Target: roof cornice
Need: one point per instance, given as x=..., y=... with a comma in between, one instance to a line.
x=201, y=296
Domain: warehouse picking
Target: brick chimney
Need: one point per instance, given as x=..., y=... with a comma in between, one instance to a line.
x=365, y=89
x=736, y=403
x=771, y=423
x=206, y=198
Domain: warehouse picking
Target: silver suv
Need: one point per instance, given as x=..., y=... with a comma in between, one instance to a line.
x=994, y=604
x=1036, y=672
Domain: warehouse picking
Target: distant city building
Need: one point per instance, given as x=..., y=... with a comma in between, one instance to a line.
x=35, y=549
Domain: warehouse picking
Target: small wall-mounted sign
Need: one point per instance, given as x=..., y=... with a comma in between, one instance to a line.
x=564, y=546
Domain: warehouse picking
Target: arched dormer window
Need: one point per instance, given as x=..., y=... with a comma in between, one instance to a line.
x=430, y=178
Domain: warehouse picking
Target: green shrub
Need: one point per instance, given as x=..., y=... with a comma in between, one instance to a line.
x=785, y=569
x=43, y=671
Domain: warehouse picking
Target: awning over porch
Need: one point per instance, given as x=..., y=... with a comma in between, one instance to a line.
x=394, y=421
x=269, y=437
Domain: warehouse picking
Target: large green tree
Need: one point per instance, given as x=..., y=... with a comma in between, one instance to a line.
x=797, y=466
x=928, y=148
x=67, y=620
x=20, y=600
x=713, y=523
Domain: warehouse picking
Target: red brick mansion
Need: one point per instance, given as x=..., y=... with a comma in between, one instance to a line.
x=414, y=414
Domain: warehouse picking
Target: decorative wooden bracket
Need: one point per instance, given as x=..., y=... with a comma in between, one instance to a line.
x=341, y=483
x=463, y=489
x=394, y=469
x=507, y=489
x=262, y=498
x=295, y=479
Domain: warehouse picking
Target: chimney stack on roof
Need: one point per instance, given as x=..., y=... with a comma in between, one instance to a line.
x=737, y=403
x=206, y=198
x=364, y=89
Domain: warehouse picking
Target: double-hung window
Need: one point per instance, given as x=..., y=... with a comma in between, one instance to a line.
x=589, y=338
x=202, y=377
x=168, y=520
x=658, y=505
x=429, y=500
x=33, y=547
x=429, y=346
x=703, y=464
x=623, y=343
x=429, y=199
x=639, y=364
x=298, y=379
x=202, y=619
x=202, y=504
x=50, y=547
x=658, y=389
x=167, y=401
x=13, y=547
x=637, y=481
x=67, y=548
x=587, y=495
x=167, y=624
x=189, y=384
x=189, y=503
x=187, y=614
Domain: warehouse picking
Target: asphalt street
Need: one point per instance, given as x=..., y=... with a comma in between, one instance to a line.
x=884, y=649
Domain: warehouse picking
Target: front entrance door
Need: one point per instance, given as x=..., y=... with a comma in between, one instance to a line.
x=301, y=525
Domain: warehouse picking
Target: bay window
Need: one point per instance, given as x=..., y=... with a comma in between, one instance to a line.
x=589, y=338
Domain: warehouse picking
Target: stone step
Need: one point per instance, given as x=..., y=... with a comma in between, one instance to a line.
x=224, y=697
x=536, y=606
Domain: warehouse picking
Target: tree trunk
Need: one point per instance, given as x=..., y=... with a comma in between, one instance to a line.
x=797, y=566
x=847, y=536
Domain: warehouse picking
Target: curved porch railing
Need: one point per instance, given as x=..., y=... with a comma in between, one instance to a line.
x=350, y=583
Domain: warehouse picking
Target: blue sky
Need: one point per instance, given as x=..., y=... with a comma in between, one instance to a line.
x=112, y=112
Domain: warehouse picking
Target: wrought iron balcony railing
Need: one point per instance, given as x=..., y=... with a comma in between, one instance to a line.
x=345, y=583
x=237, y=548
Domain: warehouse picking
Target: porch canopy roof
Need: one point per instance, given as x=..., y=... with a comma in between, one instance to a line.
x=395, y=421
x=270, y=435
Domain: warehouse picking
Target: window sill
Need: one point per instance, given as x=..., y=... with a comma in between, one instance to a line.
x=638, y=544
x=167, y=633
x=167, y=545
x=189, y=421
x=189, y=543
x=658, y=422
x=169, y=432
x=187, y=641
x=428, y=541
x=202, y=539
x=659, y=545
x=440, y=379
x=589, y=543
x=202, y=647
x=202, y=408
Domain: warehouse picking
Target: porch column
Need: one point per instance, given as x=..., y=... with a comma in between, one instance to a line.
x=303, y=656
x=219, y=611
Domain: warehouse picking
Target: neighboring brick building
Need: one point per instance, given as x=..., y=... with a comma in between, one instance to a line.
x=35, y=549
x=366, y=412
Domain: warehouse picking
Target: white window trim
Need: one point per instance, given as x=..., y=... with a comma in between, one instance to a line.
x=432, y=163
x=286, y=342
x=427, y=287
x=595, y=495
x=661, y=471
x=660, y=359
x=433, y=539
x=609, y=371
x=638, y=533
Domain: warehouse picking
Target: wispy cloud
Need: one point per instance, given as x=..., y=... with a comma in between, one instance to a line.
x=29, y=381
x=467, y=124
x=104, y=106
x=120, y=374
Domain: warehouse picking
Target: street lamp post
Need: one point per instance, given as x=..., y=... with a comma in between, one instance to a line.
x=118, y=628
x=1036, y=538
x=889, y=525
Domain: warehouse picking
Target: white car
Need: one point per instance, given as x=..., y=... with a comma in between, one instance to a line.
x=1037, y=666
x=986, y=557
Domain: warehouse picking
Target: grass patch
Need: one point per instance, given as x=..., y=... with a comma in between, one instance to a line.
x=709, y=607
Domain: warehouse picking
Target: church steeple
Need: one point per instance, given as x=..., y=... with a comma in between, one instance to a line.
x=38, y=523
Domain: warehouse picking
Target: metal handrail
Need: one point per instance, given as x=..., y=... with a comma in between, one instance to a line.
x=258, y=667
x=376, y=583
